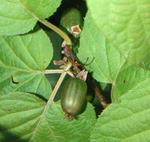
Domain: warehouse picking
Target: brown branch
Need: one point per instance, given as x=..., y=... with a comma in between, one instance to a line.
x=92, y=83
x=101, y=97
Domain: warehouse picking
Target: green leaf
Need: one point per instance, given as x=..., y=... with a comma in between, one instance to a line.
x=19, y=115
x=126, y=24
x=42, y=9
x=14, y=18
x=127, y=80
x=22, y=119
x=19, y=16
x=104, y=61
x=129, y=120
x=54, y=127
x=22, y=61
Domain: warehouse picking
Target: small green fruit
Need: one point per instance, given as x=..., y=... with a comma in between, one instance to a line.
x=70, y=18
x=73, y=98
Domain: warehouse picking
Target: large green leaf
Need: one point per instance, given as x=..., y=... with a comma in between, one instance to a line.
x=126, y=24
x=129, y=120
x=22, y=118
x=19, y=16
x=104, y=61
x=22, y=61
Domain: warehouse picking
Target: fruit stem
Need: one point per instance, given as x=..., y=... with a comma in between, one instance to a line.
x=57, y=30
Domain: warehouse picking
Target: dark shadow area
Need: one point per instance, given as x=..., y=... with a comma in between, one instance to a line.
x=38, y=95
x=106, y=92
x=103, y=90
x=9, y=137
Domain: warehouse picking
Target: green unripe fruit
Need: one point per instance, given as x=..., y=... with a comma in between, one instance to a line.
x=73, y=98
x=71, y=17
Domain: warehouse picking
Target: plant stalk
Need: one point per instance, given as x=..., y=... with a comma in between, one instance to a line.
x=52, y=71
x=57, y=30
x=52, y=96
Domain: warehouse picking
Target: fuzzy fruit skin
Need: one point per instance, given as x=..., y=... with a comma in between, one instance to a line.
x=71, y=17
x=73, y=98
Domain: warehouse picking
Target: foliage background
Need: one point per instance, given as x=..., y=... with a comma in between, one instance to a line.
x=115, y=39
